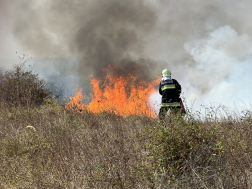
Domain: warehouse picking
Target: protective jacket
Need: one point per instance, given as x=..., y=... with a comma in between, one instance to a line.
x=170, y=90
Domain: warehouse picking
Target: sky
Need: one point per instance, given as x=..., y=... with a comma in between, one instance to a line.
x=206, y=44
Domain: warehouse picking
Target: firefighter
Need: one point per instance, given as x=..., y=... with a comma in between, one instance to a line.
x=170, y=90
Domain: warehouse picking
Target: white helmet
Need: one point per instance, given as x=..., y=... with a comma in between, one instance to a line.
x=166, y=73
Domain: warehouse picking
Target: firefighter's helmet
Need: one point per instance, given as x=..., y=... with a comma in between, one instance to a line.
x=166, y=73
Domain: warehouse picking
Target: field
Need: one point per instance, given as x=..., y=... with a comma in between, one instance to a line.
x=44, y=145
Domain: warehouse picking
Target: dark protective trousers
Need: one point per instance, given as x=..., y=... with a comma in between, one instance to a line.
x=163, y=111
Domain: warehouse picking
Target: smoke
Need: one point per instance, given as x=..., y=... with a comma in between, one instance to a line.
x=202, y=42
x=221, y=72
x=216, y=56
x=97, y=33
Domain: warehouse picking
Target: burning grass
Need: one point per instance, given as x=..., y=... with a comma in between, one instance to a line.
x=87, y=150
x=121, y=95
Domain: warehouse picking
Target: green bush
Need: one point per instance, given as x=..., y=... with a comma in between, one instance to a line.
x=177, y=144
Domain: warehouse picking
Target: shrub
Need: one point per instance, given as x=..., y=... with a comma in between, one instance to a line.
x=177, y=145
x=21, y=87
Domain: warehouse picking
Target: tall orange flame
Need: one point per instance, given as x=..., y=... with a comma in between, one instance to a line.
x=120, y=95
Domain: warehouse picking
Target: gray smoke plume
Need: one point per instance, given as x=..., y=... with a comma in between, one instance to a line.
x=98, y=33
x=192, y=38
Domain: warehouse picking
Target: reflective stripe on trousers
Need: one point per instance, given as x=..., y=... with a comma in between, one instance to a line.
x=172, y=104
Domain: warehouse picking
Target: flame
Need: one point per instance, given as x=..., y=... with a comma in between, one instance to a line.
x=120, y=95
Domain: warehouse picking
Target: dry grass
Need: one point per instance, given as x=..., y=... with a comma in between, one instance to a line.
x=68, y=149
x=47, y=146
x=85, y=150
